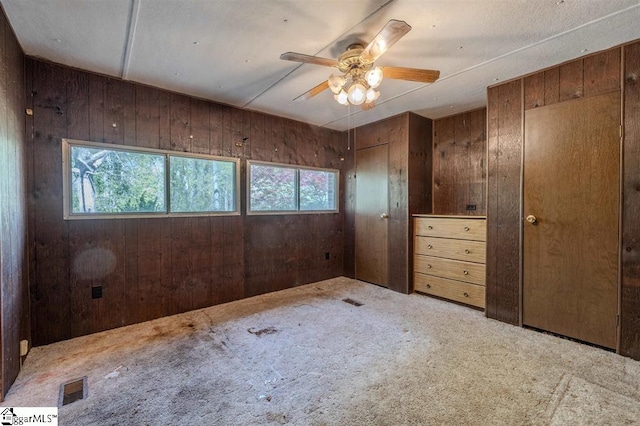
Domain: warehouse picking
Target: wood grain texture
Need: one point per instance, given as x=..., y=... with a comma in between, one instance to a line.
x=467, y=250
x=162, y=266
x=571, y=166
x=462, y=228
x=409, y=137
x=459, y=163
x=372, y=231
x=420, y=177
x=348, y=179
x=503, y=202
x=590, y=76
x=630, y=294
x=470, y=294
x=399, y=237
x=452, y=269
x=600, y=72
x=14, y=256
x=571, y=78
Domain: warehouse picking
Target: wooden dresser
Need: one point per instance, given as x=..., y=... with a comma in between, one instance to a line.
x=449, y=257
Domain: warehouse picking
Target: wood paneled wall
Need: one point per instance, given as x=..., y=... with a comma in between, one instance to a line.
x=630, y=297
x=588, y=76
x=163, y=266
x=504, y=159
x=14, y=300
x=409, y=184
x=459, y=163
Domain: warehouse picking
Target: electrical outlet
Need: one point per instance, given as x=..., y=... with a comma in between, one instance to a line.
x=24, y=347
x=471, y=207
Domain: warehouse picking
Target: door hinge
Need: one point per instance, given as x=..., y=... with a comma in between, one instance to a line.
x=621, y=131
x=617, y=320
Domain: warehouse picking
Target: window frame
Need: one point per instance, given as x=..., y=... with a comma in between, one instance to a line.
x=297, y=169
x=67, y=199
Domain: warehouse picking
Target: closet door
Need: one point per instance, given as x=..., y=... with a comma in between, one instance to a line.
x=571, y=202
x=372, y=204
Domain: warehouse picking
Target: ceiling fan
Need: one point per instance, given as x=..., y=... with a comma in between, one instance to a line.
x=359, y=78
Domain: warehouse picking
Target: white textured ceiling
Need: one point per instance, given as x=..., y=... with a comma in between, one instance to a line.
x=228, y=50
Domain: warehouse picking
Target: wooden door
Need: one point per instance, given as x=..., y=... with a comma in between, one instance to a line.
x=571, y=186
x=371, y=208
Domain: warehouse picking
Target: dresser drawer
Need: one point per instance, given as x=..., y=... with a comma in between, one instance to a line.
x=454, y=269
x=465, y=229
x=470, y=251
x=471, y=294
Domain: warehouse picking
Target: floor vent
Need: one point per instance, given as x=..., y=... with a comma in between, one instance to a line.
x=352, y=302
x=73, y=391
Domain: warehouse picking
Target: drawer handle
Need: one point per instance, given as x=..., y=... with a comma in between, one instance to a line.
x=428, y=266
x=465, y=294
x=467, y=251
x=466, y=228
x=429, y=246
x=428, y=285
x=429, y=227
x=465, y=272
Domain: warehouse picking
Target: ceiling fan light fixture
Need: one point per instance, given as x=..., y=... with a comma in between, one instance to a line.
x=342, y=98
x=374, y=77
x=372, y=95
x=357, y=94
x=336, y=82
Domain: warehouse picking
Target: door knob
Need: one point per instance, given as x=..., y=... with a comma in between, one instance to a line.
x=384, y=216
x=532, y=219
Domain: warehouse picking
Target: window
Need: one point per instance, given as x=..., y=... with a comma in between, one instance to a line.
x=109, y=181
x=202, y=185
x=280, y=188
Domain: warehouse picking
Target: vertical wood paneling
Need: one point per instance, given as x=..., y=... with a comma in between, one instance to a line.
x=200, y=131
x=147, y=117
x=14, y=256
x=503, y=210
x=534, y=90
x=477, y=161
x=459, y=163
x=590, y=76
x=114, y=127
x=398, y=227
x=571, y=80
x=602, y=72
x=420, y=177
x=50, y=286
x=164, y=266
x=409, y=140
x=551, y=86
x=630, y=297
x=594, y=75
x=443, y=171
x=349, y=208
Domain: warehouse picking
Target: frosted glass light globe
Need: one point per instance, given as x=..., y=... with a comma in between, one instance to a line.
x=342, y=98
x=372, y=95
x=357, y=94
x=335, y=83
x=374, y=77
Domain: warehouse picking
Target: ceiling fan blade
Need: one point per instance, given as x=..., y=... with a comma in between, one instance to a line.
x=313, y=92
x=387, y=37
x=411, y=74
x=308, y=59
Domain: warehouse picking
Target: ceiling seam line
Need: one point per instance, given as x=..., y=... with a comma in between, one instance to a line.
x=513, y=52
x=323, y=48
x=131, y=33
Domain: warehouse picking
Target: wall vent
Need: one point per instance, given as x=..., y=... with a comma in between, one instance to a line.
x=72, y=391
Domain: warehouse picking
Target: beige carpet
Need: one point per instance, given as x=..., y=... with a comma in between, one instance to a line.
x=305, y=357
